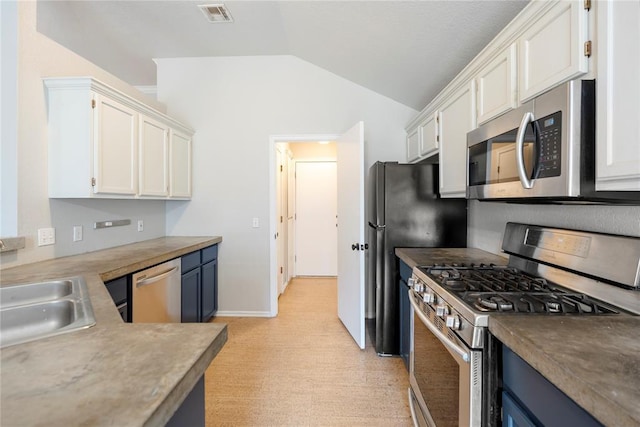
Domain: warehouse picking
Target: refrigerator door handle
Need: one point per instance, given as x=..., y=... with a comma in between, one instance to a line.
x=376, y=226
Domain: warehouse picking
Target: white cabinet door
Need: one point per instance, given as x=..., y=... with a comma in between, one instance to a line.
x=430, y=137
x=457, y=117
x=413, y=145
x=618, y=96
x=115, y=148
x=180, y=165
x=551, y=51
x=497, y=85
x=154, y=158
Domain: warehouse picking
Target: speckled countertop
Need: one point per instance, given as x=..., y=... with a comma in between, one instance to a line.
x=114, y=373
x=594, y=360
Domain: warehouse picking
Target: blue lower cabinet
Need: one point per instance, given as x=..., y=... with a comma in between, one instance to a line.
x=405, y=312
x=120, y=291
x=209, y=301
x=191, y=282
x=191, y=411
x=532, y=400
x=513, y=415
x=200, y=285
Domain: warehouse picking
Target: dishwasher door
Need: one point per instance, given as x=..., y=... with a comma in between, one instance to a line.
x=156, y=294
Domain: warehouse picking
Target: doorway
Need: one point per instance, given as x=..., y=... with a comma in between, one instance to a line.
x=316, y=236
x=305, y=195
x=349, y=160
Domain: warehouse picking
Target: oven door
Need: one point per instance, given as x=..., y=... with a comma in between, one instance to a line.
x=445, y=375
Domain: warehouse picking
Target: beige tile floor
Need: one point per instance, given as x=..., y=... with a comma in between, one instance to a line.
x=302, y=368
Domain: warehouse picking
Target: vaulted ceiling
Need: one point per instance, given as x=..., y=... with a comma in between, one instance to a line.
x=405, y=50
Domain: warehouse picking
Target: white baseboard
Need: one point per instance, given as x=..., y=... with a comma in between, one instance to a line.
x=220, y=313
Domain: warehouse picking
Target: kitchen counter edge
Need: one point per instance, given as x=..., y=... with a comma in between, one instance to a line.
x=204, y=343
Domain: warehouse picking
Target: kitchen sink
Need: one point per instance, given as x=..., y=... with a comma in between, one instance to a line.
x=35, y=292
x=38, y=310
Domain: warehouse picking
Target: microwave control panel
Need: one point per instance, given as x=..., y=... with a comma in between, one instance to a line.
x=549, y=130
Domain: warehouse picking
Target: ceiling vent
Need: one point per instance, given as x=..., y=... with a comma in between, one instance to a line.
x=216, y=12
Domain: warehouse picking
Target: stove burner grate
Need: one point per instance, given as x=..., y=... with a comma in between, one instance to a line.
x=550, y=303
x=489, y=287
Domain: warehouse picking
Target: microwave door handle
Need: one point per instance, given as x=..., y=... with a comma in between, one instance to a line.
x=522, y=130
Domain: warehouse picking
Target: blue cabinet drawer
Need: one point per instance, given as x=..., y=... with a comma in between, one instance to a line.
x=209, y=254
x=190, y=261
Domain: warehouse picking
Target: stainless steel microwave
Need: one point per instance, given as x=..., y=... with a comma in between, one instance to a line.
x=543, y=151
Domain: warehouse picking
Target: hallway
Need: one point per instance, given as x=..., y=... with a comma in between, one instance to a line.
x=302, y=368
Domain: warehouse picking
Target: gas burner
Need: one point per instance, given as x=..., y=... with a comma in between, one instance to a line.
x=493, y=303
x=454, y=274
x=454, y=285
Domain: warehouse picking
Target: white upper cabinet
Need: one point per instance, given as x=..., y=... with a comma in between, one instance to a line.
x=497, y=85
x=180, y=165
x=618, y=96
x=103, y=143
x=154, y=157
x=115, y=143
x=423, y=138
x=457, y=117
x=413, y=144
x=552, y=49
x=429, y=133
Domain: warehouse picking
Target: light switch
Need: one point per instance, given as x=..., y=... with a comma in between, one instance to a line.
x=256, y=223
x=46, y=236
x=77, y=233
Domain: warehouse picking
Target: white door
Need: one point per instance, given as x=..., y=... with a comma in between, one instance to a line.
x=350, y=169
x=316, y=234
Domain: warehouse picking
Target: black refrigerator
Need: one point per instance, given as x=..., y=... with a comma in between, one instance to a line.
x=405, y=211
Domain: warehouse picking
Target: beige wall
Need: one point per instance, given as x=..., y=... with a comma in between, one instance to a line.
x=39, y=57
x=313, y=150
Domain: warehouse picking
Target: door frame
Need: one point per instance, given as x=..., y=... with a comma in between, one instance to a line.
x=273, y=250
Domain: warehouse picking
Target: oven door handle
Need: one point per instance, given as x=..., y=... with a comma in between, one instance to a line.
x=453, y=348
x=527, y=119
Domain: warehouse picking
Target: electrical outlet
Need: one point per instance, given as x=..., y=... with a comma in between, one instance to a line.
x=46, y=236
x=256, y=223
x=140, y=225
x=77, y=233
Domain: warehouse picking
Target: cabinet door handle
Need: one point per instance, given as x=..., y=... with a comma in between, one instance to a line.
x=142, y=281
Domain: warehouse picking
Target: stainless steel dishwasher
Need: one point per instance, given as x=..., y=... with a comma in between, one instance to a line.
x=156, y=294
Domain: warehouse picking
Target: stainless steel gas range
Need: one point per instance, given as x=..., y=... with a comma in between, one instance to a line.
x=553, y=272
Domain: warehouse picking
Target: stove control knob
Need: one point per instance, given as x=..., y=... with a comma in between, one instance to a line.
x=442, y=310
x=411, y=282
x=453, y=322
x=427, y=296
